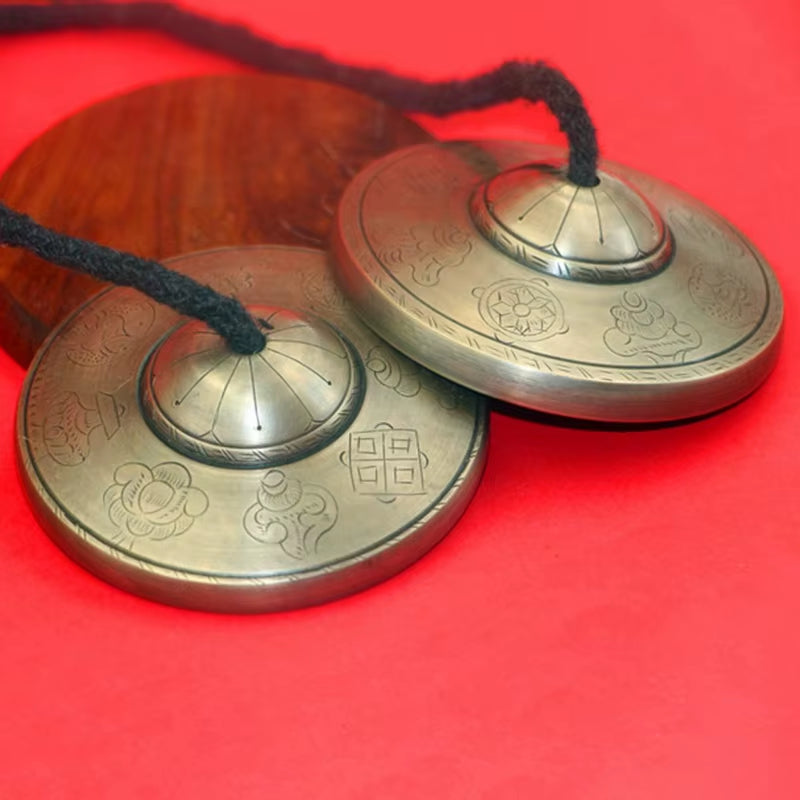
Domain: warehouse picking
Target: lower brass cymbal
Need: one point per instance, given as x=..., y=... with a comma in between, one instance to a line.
x=179, y=470
x=628, y=301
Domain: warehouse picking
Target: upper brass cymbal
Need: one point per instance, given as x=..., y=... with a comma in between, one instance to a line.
x=628, y=301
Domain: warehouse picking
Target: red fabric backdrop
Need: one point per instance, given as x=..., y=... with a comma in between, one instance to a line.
x=616, y=615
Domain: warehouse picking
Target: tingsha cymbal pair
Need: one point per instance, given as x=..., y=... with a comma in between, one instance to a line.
x=244, y=478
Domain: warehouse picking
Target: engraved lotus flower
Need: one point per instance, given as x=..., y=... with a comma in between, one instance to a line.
x=154, y=503
x=723, y=295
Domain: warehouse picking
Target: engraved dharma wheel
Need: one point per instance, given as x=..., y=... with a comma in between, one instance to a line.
x=172, y=467
x=628, y=301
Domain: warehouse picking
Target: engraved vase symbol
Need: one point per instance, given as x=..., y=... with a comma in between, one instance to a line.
x=642, y=327
x=290, y=514
x=107, y=333
x=156, y=503
x=68, y=424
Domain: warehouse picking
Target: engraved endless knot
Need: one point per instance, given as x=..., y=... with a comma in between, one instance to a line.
x=386, y=462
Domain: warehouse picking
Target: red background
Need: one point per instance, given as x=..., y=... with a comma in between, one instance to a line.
x=615, y=617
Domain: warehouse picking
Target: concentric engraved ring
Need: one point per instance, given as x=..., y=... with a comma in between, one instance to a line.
x=601, y=234
x=294, y=397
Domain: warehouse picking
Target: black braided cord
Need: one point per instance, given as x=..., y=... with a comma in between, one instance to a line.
x=226, y=315
x=531, y=81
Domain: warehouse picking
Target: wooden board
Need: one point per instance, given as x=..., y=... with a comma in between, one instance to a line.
x=182, y=166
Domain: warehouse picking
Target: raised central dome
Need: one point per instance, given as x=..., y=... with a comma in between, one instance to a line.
x=603, y=233
x=299, y=393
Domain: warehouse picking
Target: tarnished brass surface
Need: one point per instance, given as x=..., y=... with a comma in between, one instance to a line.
x=629, y=301
x=179, y=470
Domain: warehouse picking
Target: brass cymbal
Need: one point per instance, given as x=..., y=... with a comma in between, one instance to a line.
x=628, y=301
x=181, y=471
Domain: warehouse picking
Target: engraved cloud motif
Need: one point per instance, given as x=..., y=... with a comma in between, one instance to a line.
x=429, y=249
x=290, y=514
x=408, y=378
x=155, y=503
x=644, y=327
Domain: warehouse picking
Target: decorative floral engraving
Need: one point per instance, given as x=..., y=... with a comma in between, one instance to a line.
x=232, y=282
x=68, y=424
x=322, y=293
x=153, y=503
x=643, y=327
x=430, y=177
x=722, y=296
x=385, y=462
x=107, y=333
x=522, y=310
x=698, y=226
x=290, y=514
x=427, y=250
x=407, y=378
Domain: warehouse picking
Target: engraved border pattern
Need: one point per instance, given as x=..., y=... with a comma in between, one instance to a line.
x=763, y=331
x=570, y=268
x=255, y=458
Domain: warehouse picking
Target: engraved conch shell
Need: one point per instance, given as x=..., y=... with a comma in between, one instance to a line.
x=290, y=514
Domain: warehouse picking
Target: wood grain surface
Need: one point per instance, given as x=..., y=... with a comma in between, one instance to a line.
x=181, y=166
